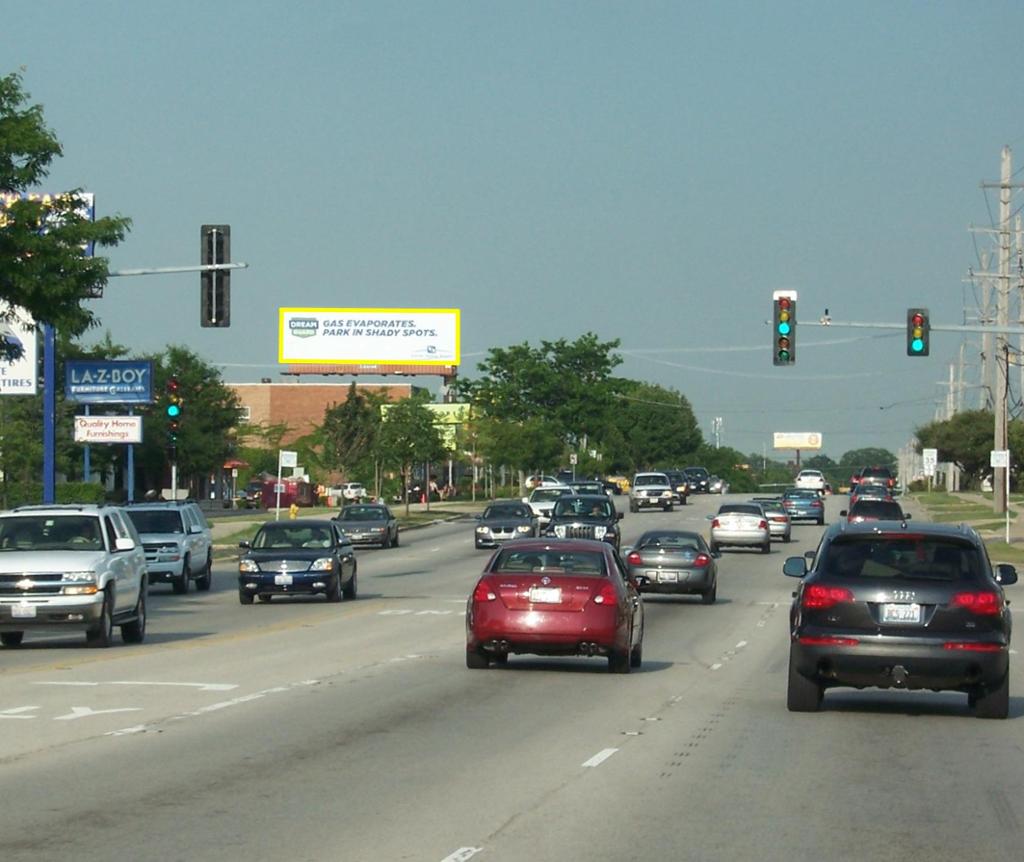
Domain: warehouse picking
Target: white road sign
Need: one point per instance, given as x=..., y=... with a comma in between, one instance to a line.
x=930, y=457
x=289, y=459
x=108, y=429
x=999, y=458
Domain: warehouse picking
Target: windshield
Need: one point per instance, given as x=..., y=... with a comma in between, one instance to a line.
x=492, y=512
x=156, y=520
x=51, y=533
x=546, y=495
x=903, y=556
x=651, y=479
x=589, y=563
x=292, y=536
x=583, y=507
x=363, y=513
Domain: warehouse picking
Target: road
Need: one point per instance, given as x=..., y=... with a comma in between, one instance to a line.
x=298, y=730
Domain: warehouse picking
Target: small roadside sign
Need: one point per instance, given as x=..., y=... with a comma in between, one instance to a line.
x=999, y=458
x=930, y=457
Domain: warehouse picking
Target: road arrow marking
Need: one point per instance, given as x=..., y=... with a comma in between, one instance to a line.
x=14, y=713
x=86, y=712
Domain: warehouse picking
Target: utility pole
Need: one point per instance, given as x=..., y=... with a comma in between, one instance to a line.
x=1002, y=376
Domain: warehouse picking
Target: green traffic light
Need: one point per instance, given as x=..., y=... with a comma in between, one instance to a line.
x=173, y=410
x=917, y=345
x=783, y=328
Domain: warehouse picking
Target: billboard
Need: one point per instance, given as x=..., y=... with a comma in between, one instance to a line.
x=407, y=336
x=19, y=376
x=92, y=381
x=797, y=440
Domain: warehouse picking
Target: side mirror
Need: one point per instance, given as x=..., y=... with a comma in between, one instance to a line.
x=526, y=499
x=1006, y=574
x=717, y=555
x=906, y=517
x=479, y=518
x=124, y=545
x=244, y=545
x=844, y=513
x=794, y=567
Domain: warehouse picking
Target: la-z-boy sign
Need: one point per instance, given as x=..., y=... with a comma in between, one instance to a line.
x=90, y=381
x=108, y=429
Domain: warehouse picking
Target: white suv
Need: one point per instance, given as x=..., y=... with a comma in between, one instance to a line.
x=353, y=491
x=178, y=544
x=71, y=567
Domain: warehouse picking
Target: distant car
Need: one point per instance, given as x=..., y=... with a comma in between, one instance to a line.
x=353, y=492
x=866, y=509
x=804, y=505
x=892, y=608
x=305, y=556
x=542, y=501
x=565, y=477
x=369, y=524
x=779, y=523
x=870, y=492
x=698, y=479
x=178, y=543
x=504, y=520
x=875, y=475
x=651, y=490
x=680, y=485
x=810, y=480
x=589, y=516
x=541, y=482
x=251, y=496
x=740, y=525
x=611, y=486
x=676, y=562
x=717, y=485
x=555, y=598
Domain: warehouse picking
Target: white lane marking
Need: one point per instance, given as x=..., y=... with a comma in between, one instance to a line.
x=741, y=644
x=434, y=550
x=139, y=728
x=462, y=854
x=86, y=712
x=224, y=704
x=600, y=757
x=14, y=713
x=716, y=665
x=202, y=686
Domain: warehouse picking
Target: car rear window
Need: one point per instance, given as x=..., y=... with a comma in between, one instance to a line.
x=903, y=556
x=881, y=509
x=741, y=508
x=673, y=541
x=515, y=561
x=363, y=513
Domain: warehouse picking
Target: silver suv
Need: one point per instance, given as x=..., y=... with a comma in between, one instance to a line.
x=71, y=567
x=649, y=490
x=178, y=543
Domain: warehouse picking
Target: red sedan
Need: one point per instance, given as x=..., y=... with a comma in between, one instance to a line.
x=570, y=597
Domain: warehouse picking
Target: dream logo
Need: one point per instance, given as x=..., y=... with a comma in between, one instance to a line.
x=303, y=327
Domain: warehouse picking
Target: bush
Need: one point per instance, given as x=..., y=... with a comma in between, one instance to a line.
x=31, y=493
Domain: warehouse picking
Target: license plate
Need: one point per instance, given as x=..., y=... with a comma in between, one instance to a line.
x=893, y=613
x=282, y=580
x=23, y=612
x=546, y=595
x=668, y=577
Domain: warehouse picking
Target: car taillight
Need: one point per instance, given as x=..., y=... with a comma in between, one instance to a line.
x=820, y=597
x=606, y=595
x=715, y=522
x=483, y=593
x=634, y=559
x=816, y=504
x=762, y=524
x=982, y=602
x=821, y=640
x=972, y=647
x=701, y=560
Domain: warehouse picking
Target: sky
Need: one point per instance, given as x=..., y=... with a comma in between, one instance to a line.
x=650, y=172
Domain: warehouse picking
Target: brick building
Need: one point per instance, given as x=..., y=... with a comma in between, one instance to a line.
x=300, y=406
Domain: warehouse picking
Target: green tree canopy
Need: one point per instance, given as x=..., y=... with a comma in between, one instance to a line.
x=408, y=436
x=966, y=440
x=42, y=265
x=871, y=456
x=655, y=425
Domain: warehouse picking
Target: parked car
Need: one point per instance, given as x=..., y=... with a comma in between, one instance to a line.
x=892, y=608
x=589, y=516
x=680, y=486
x=650, y=490
x=810, y=480
x=71, y=568
x=866, y=509
x=178, y=543
x=740, y=525
x=674, y=561
x=698, y=479
x=369, y=524
x=556, y=598
x=779, y=523
x=304, y=556
x=504, y=520
x=804, y=505
x=542, y=501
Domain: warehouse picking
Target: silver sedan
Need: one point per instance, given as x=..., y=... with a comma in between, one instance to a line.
x=740, y=524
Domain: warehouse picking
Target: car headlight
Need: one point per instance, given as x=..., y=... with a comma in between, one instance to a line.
x=79, y=577
x=79, y=583
x=560, y=531
x=324, y=564
x=599, y=532
x=248, y=566
x=524, y=528
x=376, y=529
x=483, y=529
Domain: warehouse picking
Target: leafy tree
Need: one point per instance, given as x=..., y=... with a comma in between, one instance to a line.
x=966, y=440
x=408, y=436
x=42, y=267
x=349, y=436
x=655, y=425
x=857, y=458
x=531, y=444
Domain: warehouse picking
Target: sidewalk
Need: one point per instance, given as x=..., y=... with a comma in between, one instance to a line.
x=990, y=526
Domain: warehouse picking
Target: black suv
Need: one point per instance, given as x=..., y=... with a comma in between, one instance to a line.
x=874, y=476
x=585, y=516
x=698, y=479
x=887, y=605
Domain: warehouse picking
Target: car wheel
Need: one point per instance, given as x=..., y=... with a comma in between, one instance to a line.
x=205, y=580
x=668, y=508
x=11, y=638
x=181, y=582
x=766, y=548
x=386, y=544
x=715, y=547
x=351, y=588
x=135, y=631
x=476, y=660
x=334, y=589
x=395, y=543
x=821, y=522
x=101, y=635
x=636, y=655
x=786, y=538
x=708, y=596
x=994, y=703
x=618, y=661
x=245, y=598
x=802, y=694
x=633, y=507
x=263, y=598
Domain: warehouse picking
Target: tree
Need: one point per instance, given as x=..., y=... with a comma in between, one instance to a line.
x=531, y=444
x=655, y=425
x=42, y=266
x=408, y=436
x=966, y=440
x=857, y=458
x=349, y=435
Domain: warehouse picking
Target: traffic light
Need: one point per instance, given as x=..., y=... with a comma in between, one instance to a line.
x=918, y=332
x=173, y=413
x=215, y=284
x=784, y=330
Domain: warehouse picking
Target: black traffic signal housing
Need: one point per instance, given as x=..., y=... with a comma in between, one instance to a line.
x=784, y=330
x=173, y=412
x=918, y=332
x=215, y=284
